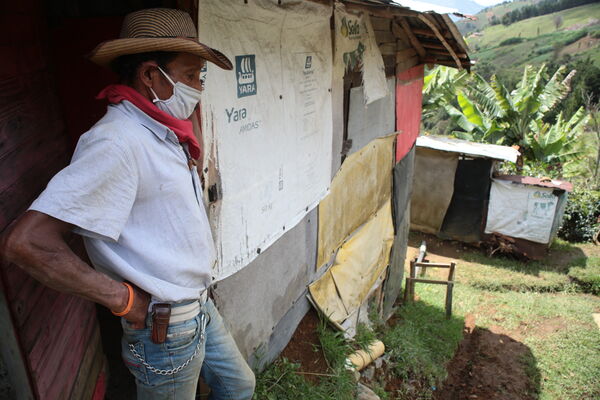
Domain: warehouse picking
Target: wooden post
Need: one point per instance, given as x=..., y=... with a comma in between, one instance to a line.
x=449, y=299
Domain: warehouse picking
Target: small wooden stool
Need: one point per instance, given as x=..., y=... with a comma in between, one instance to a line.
x=409, y=290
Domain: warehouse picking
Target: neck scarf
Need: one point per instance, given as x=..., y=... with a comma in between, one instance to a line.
x=182, y=128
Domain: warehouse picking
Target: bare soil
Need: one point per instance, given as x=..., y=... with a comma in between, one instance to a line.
x=304, y=348
x=488, y=365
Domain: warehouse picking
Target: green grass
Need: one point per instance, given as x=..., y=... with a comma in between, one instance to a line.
x=283, y=381
x=533, y=27
x=535, y=303
x=586, y=273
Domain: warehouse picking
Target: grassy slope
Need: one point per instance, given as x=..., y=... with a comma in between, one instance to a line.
x=528, y=28
x=497, y=10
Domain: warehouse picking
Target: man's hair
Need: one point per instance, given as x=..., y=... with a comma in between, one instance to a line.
x=127, y=66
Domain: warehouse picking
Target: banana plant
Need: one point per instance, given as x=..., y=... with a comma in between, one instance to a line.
x=558, y=142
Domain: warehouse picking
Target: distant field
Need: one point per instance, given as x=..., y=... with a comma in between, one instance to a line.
x=533, y=27
x=498, y=10
x=541, y=41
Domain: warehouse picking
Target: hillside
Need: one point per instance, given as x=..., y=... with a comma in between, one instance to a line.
x=483, y=17
x=537, y=40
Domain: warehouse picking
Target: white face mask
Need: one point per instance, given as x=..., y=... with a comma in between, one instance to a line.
x=182, y=103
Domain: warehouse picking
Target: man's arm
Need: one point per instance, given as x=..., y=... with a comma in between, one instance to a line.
x=37, y=244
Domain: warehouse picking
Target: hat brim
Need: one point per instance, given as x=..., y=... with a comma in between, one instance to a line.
x=107, y=51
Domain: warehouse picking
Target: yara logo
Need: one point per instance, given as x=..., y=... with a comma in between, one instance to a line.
x=245, y=70
x=350, y=28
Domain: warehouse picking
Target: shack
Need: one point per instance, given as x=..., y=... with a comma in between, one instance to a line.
x=307, y=76
x=458, y=194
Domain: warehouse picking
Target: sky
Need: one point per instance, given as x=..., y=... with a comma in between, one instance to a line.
x=488, y=2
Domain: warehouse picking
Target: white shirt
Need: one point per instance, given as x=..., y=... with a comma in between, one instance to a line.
x=130, y=193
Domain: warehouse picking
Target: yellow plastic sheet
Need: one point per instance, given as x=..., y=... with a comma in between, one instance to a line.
x=358, y=190
x=433, y=187
x=358, y=264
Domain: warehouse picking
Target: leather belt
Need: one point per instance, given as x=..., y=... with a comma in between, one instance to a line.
x=165, y=314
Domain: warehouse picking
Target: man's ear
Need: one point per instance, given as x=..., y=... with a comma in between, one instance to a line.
x=148, y=74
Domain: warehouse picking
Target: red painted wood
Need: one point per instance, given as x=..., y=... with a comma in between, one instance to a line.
x=50, y=334
x=63, y=348
x=45, y=308
x=409, y=97
x=69, y=365
x=100, y=389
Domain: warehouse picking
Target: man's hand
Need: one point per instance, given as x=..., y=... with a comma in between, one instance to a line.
x=139, y=310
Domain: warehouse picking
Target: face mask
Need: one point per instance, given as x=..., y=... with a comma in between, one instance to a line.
x=182, y=103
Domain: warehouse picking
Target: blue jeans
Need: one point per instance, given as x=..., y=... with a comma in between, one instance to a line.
x=216, y=358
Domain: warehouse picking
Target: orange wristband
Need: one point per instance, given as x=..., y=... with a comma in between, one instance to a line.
x=129, y=301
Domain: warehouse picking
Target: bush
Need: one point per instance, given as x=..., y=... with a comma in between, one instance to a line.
x=512, y=40
x=582, y=212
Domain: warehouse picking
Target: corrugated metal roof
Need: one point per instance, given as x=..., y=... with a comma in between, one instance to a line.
x=422, y=6
x=485, y=150
x=529, y=180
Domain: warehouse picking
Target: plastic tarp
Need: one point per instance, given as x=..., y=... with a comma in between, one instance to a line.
x=268, y=123
x=361, y=186
x=366, y=123
x=358, y=264
x=521, y=211
x=433, y=187
x=356, y=46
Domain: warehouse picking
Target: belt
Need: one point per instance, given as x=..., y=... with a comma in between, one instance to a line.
x=184, y=311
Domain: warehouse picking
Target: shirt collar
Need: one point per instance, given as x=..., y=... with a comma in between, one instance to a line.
x=159, y=130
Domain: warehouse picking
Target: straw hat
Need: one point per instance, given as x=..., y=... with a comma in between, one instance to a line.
x=157, y=29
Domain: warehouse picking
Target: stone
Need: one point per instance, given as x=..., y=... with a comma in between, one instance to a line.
x=364, y=393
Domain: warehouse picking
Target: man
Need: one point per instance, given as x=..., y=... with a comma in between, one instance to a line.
x=133, y=193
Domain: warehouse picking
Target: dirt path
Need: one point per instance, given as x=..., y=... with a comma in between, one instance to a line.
x=488, y=365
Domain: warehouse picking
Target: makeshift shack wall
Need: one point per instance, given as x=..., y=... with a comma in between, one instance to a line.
x=263, y=303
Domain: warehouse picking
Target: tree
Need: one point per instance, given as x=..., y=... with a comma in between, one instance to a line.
x=558, y=21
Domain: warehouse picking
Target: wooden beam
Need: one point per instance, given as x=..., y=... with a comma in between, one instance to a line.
x=443, y=52
x=431, y=45
x=432, y=25
x=405, y=54
x=411, y=37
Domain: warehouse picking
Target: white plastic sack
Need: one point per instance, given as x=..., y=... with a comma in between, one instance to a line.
x=355, y=45
x=521, y=211
x=267, y=124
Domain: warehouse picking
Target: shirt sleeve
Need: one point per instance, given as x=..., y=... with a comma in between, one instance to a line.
x=96, y=191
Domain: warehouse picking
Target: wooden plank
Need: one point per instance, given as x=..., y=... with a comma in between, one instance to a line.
x=25, y=299
x=432, y=25
x=381, y=24
x=13, y=358
x=16, y=198
x=432, y=265
x=403, y=55
x=432, y=281
x=58, y=367
x=385, y=37
x=51, y=332
x=387, y=49
x=34, y=326
x=90, y=367
x=406, y=64
x=442, y=53
x=411, y=37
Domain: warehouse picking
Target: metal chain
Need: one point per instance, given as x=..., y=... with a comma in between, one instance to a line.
x=179, y=368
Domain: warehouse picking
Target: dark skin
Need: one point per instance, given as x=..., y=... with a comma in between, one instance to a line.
x=38, y=242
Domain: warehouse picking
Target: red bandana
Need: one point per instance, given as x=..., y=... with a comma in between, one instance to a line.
x=182, y=128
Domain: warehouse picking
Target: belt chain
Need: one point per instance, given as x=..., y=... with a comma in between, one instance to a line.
x=182, y=366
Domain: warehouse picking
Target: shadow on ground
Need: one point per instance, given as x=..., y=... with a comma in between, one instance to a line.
x=490, y=365
x=561, y=256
